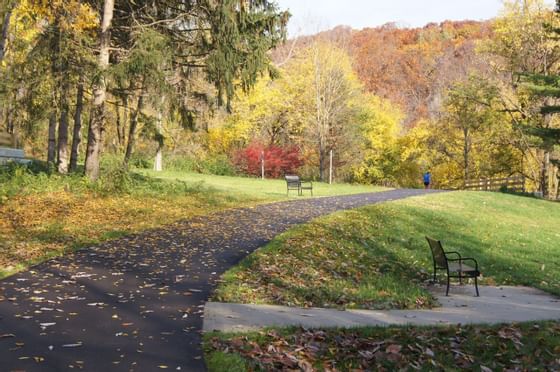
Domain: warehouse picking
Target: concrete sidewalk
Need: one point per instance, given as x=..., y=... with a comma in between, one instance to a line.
x=495, y=305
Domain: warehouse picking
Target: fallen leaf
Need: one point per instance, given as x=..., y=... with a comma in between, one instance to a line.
x=393, y=349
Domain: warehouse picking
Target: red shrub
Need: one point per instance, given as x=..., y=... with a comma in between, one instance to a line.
x=278, y=161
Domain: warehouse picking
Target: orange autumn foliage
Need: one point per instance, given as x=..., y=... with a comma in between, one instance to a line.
x=412, y=67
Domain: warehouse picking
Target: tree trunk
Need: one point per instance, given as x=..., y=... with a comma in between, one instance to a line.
x=158, y=162
x=10, y=119
x=97, y=117
x=321, y=162
x=133, y=126
x=77, y=132
x=555, y=183
x=118, y=121
x=62, y=158
x=5, y=28
x=11, y=127
x=466, y=154
x=51, y=152
x=330, y=166
x=121, y=122
x=545, y=175
x=124, y=121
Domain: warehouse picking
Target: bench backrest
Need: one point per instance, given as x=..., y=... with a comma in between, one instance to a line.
x=292, y=179
x=438, y=255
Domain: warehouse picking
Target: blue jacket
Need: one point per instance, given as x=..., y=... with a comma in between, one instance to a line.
x=427, y=178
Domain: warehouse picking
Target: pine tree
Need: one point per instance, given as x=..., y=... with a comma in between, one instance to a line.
x=228, y=40
x=547, y=87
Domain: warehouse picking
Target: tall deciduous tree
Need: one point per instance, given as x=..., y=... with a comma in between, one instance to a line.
x=380, y=126
x=470, y=140
x=333, y=87
x=97, y=115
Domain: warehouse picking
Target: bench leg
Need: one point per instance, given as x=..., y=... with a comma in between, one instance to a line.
x=434, y=276
x=476, y=286
x=447, y=290
x=460, y=279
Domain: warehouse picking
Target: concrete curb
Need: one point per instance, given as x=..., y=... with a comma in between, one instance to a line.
x=495, y=305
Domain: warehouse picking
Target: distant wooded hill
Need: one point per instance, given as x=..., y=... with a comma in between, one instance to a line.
x=412, y=67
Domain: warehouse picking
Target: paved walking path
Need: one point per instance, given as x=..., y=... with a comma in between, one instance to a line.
x=136, y=303
x=495, y=305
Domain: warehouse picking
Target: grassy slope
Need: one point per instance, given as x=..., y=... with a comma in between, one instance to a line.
x=526, y=346
x=377, y=257
x=45, y=216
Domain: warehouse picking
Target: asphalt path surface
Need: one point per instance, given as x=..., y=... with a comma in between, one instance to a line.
x=136, y=303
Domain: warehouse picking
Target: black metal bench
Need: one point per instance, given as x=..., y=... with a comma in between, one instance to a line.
x=295, y=183
x=454, y=267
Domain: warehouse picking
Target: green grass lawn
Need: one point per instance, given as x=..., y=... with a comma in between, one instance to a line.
x=377, y=257
x=268, y=189
x=533, y=346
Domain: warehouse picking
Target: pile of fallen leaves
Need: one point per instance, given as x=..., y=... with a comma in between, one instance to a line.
x=513, y=347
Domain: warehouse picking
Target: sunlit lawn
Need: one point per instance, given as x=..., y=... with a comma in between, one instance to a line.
x=271, y=189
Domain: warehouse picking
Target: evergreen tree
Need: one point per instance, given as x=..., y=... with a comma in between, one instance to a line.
x=227, y=39
x=547, y=132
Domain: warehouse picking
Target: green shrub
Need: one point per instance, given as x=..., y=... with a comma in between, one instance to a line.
x=219, y=165
x=37, y=177
x=17, y=179
x=141, y=161
x=115, y=180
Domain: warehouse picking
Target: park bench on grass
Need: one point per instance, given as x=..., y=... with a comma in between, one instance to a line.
x=295, y=183
x=454, y=267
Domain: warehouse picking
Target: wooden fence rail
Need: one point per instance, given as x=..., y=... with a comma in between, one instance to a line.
x=514, y=183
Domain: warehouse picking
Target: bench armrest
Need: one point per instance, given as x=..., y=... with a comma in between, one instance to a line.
x=453, y=252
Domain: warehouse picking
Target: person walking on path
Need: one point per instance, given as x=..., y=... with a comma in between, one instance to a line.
x=427, y=180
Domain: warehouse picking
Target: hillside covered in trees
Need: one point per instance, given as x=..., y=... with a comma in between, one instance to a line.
x=215, y=88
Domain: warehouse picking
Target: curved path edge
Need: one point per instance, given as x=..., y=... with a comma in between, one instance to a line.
x=137, y=303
